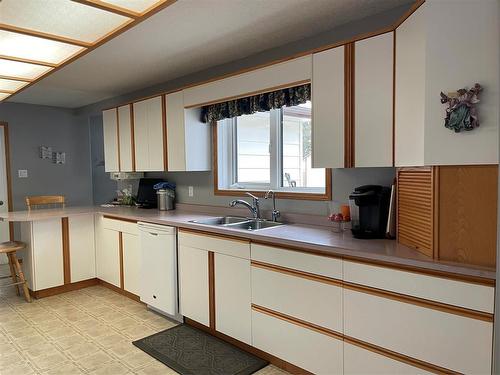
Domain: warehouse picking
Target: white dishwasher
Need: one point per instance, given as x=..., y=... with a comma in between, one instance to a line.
x=159, y=267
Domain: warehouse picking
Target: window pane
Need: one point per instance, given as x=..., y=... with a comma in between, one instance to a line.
x=253, y=138
x=297, y=150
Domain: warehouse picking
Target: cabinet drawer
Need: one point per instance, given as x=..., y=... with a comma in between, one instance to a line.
x=237, y=248
x=441, y=338
x=120, y=226
x=359, y=361
x=452, y=292
x=319, y=265
x=311, y=350
x=315, y=302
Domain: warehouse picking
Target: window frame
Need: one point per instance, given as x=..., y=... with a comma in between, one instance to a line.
x=276, y=161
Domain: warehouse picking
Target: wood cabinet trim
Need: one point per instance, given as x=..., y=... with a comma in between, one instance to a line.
x=120, y=247
x=132, y=136
x=211, y=290
x=421, y=302
x=118, y=139
x=66, y=250
x=394, y=98
x=164, y=131
x=64, y=288
x=349, y=143
x=120, y=291
x=297, y=273
x=410, y=11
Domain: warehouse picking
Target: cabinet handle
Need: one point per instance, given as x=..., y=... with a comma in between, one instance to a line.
x=153, y=234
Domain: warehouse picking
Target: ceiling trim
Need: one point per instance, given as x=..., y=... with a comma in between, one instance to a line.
x=40, y=34
x=29, y=61
x=109, y=8
x=6, y=91
x=90, y=47
x=13, y=78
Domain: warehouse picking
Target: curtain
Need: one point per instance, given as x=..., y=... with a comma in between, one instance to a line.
x=257, y=103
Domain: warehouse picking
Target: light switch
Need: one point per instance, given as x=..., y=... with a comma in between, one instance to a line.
x=22, y=173
x=190, y=191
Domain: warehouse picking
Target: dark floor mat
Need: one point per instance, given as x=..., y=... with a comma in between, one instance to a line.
x=191, y=351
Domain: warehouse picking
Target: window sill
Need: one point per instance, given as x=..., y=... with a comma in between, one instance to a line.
x=326, y=196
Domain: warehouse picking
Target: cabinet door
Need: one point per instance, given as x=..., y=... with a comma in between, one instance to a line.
x=373, y=101
x=131, y=263
x=125, y=138
x=176, y=136
x=233, y=315
x=148, y=135
x=47, y=253
x=110, y=134
x=193, y=284
x=328, y=109
x=81, y=247
x=108, y=257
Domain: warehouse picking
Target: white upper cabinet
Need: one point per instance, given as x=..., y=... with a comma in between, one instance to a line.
x=283, y=74
x=188, y=139
x=110, y=133
x=328, y=108
x=149, y=135
x=126, y=138
x=373, y=101
x=434, y=53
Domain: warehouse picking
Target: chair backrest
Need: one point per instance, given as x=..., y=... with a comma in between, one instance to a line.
x=45, y=200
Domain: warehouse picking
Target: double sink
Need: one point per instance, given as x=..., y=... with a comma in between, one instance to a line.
x=237, y=222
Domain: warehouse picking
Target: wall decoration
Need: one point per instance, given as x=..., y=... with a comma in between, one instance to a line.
x=59, y=158
x=461, y=113
x=45, y=152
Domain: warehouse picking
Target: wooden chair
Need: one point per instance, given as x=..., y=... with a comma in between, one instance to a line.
x=45, y=200
x=16, y=273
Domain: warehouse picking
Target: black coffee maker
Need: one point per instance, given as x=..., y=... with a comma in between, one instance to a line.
x=369, y=206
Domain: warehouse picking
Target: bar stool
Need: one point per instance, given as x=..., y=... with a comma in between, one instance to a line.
x=16, y=273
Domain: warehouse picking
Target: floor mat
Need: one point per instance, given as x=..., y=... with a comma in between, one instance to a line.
x=191, y=351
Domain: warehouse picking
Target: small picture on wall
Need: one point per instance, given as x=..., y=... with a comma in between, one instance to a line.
x=59, y=157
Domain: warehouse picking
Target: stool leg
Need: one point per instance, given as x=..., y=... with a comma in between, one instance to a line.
x=22, y=279
x=13, y=271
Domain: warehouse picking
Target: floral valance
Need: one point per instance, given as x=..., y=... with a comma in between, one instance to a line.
x=257, y=103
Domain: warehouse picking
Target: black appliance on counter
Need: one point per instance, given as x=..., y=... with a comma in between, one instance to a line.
x=146, y=195
x=369, y=206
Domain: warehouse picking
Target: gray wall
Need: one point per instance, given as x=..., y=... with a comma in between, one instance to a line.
x=31, y=126
x=343, y=180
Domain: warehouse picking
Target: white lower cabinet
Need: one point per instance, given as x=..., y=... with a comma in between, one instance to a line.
x=43, y=256
x=108, y=256
x=131, y=263
x=360, y=361
x=193, y=284
x=233, y=297
x=81, y=247
x=313, y=351
x=444, y=339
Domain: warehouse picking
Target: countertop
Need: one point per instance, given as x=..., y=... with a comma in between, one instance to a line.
x=315, y=238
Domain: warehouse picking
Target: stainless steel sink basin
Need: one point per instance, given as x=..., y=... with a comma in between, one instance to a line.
x=221, y=221
x=256, y=224
x=237, y=222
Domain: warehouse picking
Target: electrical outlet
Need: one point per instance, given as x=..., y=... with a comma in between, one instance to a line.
x=22, y=173
x=191, y=191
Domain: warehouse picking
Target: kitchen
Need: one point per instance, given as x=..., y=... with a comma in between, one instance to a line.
x=296, y=290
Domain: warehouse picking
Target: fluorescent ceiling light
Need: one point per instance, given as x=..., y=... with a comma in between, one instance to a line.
x=64, y=18
x=138, y=6
x=11, y=85
x=3, y=96
x=21, y=70
x=33, y=48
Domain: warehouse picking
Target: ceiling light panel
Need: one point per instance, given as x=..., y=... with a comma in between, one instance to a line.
x=63, y=18
x=10, y=85
x=33, y=48
x=138, y=6
x=21, y=70
x=3, y=96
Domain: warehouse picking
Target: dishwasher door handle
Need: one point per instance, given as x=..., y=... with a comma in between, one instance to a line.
x=153, y=234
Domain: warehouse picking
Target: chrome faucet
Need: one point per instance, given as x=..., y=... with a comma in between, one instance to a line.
x=275, y=214
x=254, y=207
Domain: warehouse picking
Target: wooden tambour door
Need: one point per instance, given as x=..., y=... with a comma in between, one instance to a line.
x=110, y=134
x=126, y=138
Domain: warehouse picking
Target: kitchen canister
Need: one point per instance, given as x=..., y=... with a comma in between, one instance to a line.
x=166, y=199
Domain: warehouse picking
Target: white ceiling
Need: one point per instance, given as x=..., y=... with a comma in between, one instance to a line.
x=189, y=36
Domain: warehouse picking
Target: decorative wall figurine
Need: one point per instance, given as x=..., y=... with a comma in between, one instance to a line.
x=461, y=113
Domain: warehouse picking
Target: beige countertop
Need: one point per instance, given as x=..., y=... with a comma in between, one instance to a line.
x=315, y=238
